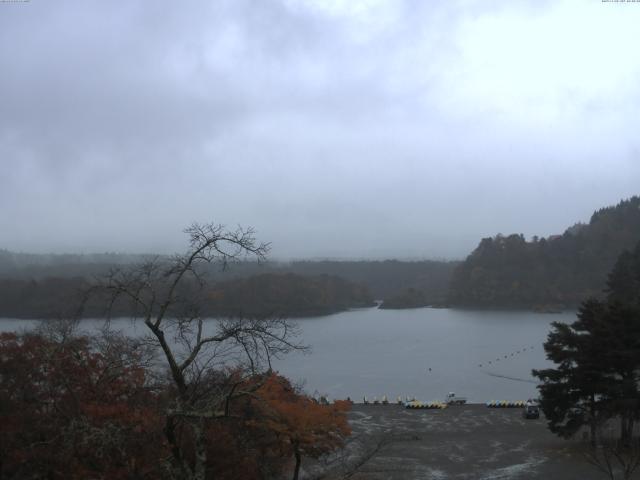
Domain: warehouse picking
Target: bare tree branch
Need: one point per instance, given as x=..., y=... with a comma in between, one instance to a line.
x=168, y=295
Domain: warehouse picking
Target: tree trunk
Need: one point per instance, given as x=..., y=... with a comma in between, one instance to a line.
x=626, y=428
x=628, y=434
x=625, y=438
x=593, y=424
x=179, y=467
x=201, y=450
x=296, y=470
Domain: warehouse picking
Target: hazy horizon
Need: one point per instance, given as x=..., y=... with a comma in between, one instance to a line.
x=285, y=259
x=364, y=129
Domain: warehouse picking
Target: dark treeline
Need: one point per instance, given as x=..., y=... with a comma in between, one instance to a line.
x=50, y=297
x=265, y=295
x=413, y=298
x=383, y=278
x=287, y=295
x=548, y=273
x=37, y=266
x=49, y=286
x=386, y=278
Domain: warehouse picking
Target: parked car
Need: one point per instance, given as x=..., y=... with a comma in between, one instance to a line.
x=453, y=399
x=531, y=410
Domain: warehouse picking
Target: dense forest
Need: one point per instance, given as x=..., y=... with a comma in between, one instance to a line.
x=412, y=298
x=383, y=278
x=287, y=295
x=49, y=286
x=258, y=296
x=547, y=273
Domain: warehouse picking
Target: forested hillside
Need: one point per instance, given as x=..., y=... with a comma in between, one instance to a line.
x=411, y=298
x=287, y=295
x=266, y=295
x=547, y=273
x=383, y=278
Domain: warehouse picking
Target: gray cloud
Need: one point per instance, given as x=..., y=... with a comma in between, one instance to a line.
x=336, y=128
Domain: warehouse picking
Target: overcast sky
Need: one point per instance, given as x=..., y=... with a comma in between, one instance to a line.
x=336, y=128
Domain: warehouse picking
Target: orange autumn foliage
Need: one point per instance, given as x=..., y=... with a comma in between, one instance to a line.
x=269, y=428
x=303, y=426
x=68, y=411
x=72, y=409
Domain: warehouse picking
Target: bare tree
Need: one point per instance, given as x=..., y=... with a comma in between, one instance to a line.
x=614, y=458
x=169, y=296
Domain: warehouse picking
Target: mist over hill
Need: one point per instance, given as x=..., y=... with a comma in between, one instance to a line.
x=504, y=271
x=381, y=277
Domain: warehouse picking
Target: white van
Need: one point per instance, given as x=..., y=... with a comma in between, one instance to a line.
x=531, y=410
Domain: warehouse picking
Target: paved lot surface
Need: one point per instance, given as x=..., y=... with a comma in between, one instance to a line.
x=464, y=442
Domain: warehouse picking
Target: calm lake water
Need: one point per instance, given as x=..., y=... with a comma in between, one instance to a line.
x=419, y=352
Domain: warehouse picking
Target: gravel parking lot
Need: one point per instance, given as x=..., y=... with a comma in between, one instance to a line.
x=461, y=442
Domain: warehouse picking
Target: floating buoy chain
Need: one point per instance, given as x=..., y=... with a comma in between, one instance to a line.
x=517, y=352
x=506, y=404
